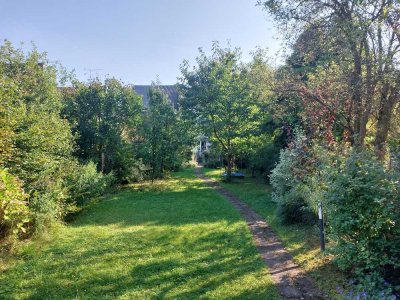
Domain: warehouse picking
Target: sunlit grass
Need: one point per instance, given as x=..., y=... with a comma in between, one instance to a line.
x=301, y=241
x=175, y=239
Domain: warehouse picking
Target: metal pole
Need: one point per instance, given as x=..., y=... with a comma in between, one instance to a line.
x=321, y=226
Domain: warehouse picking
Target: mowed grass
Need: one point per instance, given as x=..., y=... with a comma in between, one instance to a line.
x=301, y=241
x=175, y=239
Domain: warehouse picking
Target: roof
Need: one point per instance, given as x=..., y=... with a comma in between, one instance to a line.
x=170, y=90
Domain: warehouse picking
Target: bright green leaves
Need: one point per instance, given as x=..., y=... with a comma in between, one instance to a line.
x=14, y=213
x=224, y=97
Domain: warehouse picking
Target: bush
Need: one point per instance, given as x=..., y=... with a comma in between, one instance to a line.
x=289, y=182
x=212, y=159
x=128, y=168
x=14, y=212
x=266, y=157
x=294, y=209
x=85, y=182
x=282, y=178
x=364, y=209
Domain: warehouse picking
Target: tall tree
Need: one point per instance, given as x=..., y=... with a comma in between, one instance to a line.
x=368, y=35
x=35, y=141
x=218, y=96
x=102, y=115
x=165, y=138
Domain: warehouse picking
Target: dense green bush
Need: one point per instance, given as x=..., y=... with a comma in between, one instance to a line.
x=212, y=158
x=364, y=214
x=84, y=183
x=289, y=182
x=36, y=142
x=294, y=208
x=104, y=116
x=282, y=178
x=165, y=138
x=14, y=213
x=128, y=167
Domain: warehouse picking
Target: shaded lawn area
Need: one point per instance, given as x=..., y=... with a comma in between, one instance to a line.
x=301, y=241
x=176, y=239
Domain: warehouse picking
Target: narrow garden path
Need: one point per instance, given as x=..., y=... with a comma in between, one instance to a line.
x=290, y=279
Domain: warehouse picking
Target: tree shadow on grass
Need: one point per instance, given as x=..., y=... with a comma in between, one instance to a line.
x=194, y=204
x=177, y=269
x=180, y=243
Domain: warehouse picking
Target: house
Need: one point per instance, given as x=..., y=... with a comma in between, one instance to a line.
x=170, y=90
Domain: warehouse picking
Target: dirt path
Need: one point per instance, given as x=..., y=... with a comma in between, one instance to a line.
x=290, y=279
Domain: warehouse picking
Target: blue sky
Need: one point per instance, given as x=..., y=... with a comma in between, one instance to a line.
x=135, y=40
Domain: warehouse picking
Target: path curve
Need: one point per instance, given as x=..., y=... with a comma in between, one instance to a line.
x=289, y=278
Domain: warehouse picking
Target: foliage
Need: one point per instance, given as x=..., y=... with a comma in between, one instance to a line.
x=281, y=178
x=84, y=183
x=14, y=213
x=165, y=139
x=364, y=207
x=104, y=116
x=293, y=181
x=212, y=159
x=36, y=142
x=361, y=39
x=266, y=153
x=221, y=95
x=143, y=244
x=130, y=167
x=294, y=165
x=294, y=208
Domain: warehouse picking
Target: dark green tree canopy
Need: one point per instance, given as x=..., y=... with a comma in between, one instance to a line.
x=104, y=115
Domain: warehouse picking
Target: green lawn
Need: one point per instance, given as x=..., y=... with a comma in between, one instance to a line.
x=301, y=241
x=176, y=239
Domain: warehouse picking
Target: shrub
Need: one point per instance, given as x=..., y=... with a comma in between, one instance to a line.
x=14, y=212
x=85, y=182
x=128, y=168
x=282, y=178
x=364, y=209
x=294, y=208
x=212, y=158
x=289, y=182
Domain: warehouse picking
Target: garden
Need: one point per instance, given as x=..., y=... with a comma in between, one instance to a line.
x=99, y=198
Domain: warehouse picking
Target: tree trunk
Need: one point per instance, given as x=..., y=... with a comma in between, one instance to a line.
x=103, y=159
x=356, y=81
x=384, y=119
x=253, y=171
x=370, y=89
x=230, y=160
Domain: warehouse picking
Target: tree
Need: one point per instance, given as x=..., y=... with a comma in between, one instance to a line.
x=218, y=95
x=36, y=143
x=367, y=36
x=104, y=116
x=165, y=138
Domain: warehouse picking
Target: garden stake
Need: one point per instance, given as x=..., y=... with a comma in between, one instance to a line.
x=321, y=226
